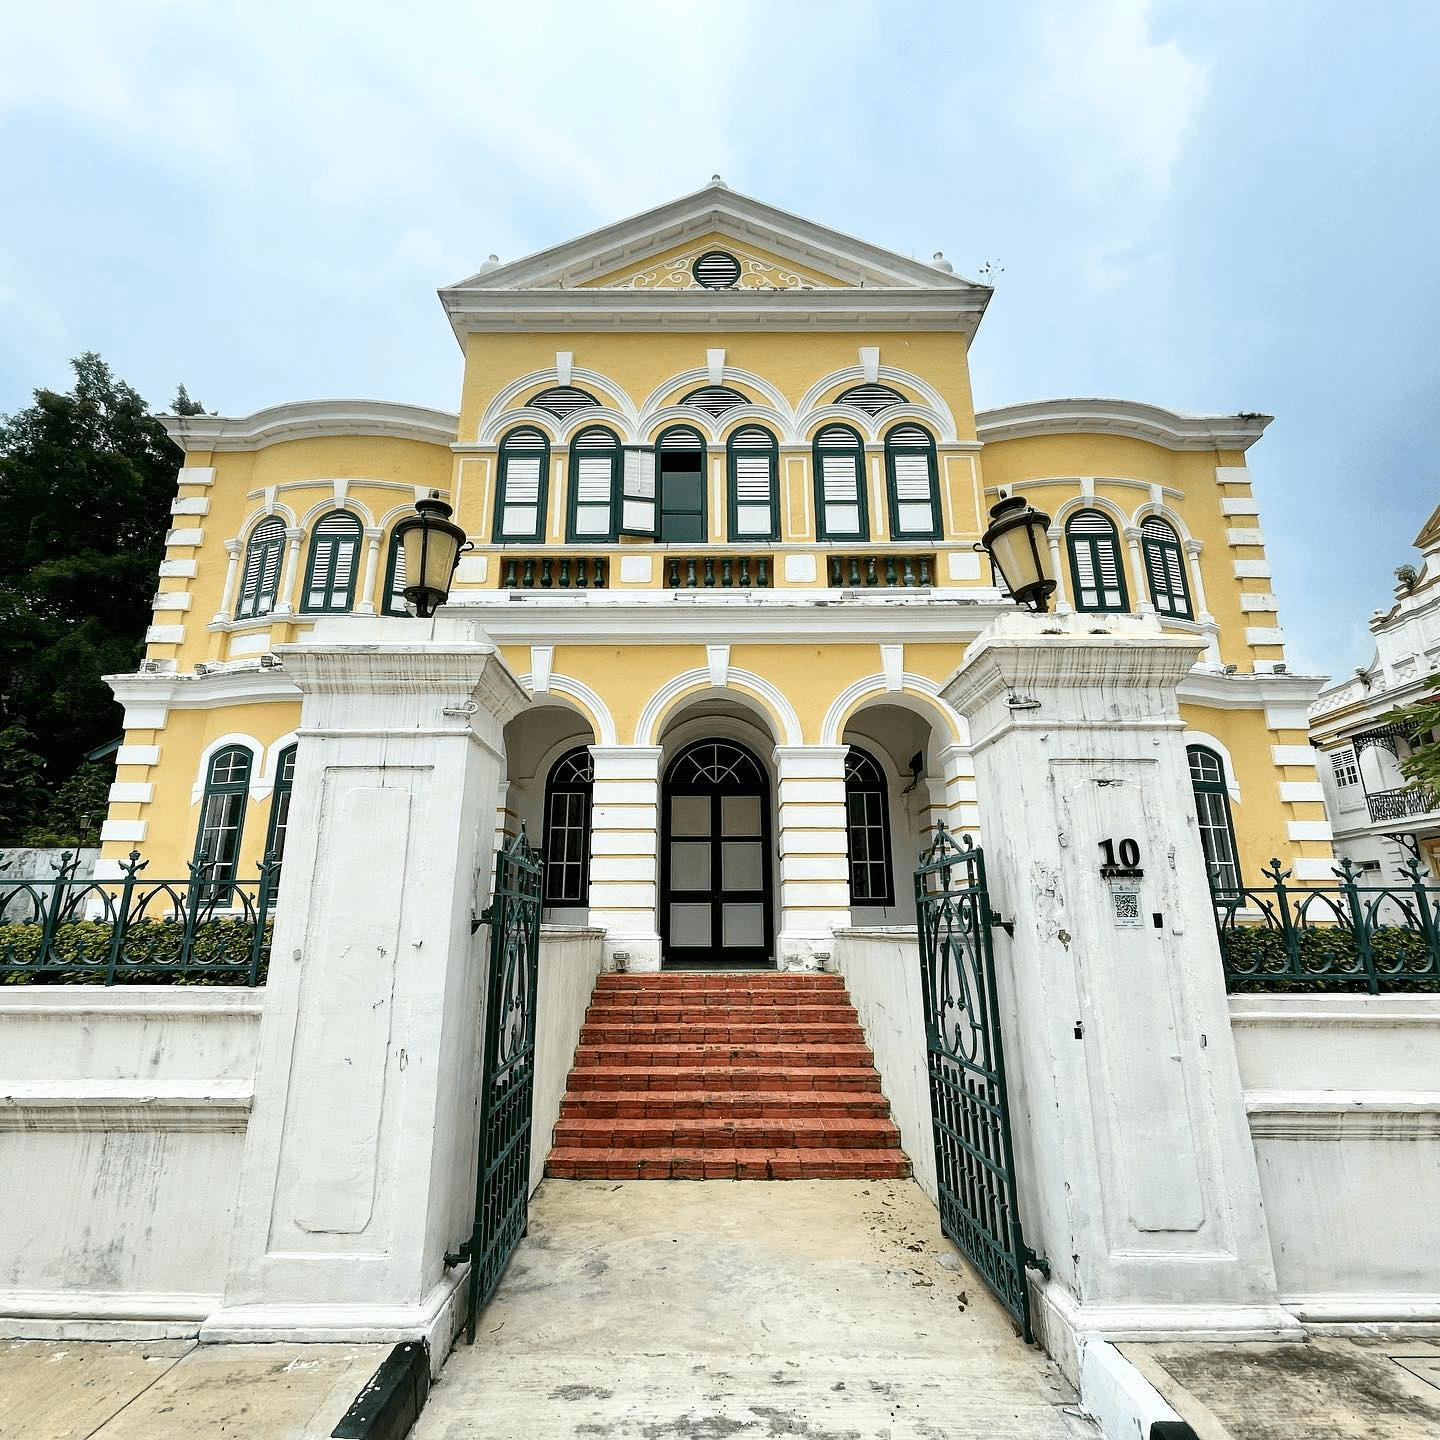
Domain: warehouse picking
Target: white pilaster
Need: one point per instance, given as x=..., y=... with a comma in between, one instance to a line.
x=285, y=604
x=1143, y=605
x=1137, y=1172
x=232, y=566
x=365, y=605
x=358, y=1172
x=1062, y=599
x=814, y=870
x=625, y=853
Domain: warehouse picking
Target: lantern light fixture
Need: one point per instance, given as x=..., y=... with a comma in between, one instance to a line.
x=1019, y=546
x=431, y=547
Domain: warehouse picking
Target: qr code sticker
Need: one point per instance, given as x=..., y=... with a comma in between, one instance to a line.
x=1127, y=905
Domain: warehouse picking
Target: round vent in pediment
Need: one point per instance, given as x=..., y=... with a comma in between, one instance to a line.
x=716, y=270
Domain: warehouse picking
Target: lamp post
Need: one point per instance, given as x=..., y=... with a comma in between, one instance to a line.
x=431, y=547
x=1017, y=544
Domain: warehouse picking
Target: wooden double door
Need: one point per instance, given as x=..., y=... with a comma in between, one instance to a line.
x=715, y=871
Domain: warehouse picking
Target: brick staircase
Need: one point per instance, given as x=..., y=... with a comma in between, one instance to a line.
x=755, y=1076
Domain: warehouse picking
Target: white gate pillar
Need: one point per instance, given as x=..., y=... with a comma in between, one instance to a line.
x=625, y=853
x=811, y=843
x=358, y=1171
x=1137, y=1172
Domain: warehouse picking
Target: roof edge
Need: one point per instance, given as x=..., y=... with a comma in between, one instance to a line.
x=312, y=419
x=1171, y=429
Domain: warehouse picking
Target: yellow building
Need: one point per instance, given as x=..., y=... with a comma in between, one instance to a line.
x=724, y=480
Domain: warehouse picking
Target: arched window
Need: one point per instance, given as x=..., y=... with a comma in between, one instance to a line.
x=754, y=491
x=334, y=559
x=280, y=811
x=872, y=399
x=222, y=819
x=1096, y=574
x=595, y=458
x=867, y=830
x=563, y=400
x=1165, y=569
x=522, y=486
x=568, y=789
x=392, y=602
x=680, y=476
x=716, y=399
x=1212, y=809
x=262, y=569
x=914, y=484
x=840, y=509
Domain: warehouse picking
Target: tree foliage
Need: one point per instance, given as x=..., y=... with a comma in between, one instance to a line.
x=1422, y=720
x=86, y=480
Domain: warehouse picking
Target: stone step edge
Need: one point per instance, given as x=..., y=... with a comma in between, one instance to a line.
x=738, y=1164
x=861, y=1079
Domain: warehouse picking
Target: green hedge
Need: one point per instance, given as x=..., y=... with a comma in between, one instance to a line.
x=1255, y=961
x=149, y=945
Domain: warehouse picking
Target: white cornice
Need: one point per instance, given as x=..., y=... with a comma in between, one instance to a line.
x=250, y=686
x=715, y=207
x=1168, y=428
x=1219, y=691
x=717, y=311
x=308, y=419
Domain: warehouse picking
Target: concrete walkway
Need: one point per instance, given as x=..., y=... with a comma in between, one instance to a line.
x=830, y=1310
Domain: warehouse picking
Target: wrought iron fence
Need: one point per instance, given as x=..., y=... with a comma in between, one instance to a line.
x=1346, y=937
x=208, y=928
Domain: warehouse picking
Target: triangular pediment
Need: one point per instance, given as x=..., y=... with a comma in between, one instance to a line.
x=657, y=248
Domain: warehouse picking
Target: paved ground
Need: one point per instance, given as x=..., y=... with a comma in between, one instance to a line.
x=829, y=1310
x=176, y=1390
x=1320, y=1390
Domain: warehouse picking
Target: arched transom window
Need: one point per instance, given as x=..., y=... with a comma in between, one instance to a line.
x=1165, y=569
x=754, y=492
x=840, y=509
x=262, y=569
x=334, y=559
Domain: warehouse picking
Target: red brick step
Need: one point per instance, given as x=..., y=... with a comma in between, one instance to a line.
x=724, y=1076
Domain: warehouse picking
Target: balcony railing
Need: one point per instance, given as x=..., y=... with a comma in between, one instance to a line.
x=718, y=572
x=207, y=929
x=1399, y=804
x=1345, y=937
x=878, y=572
x=554, y=572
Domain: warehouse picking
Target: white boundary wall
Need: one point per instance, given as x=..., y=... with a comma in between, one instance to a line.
x=881, y=969
x=1343, y=1098
x=122, y=1125
x=570, y=959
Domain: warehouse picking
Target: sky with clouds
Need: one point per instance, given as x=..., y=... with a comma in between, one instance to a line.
x=1219, y=205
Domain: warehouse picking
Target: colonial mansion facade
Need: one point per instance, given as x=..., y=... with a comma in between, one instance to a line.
x=723, y=483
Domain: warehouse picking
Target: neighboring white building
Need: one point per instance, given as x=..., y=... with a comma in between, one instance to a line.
x=1378, y=822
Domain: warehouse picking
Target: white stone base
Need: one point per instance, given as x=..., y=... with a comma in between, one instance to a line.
x=806, y=949
x=99, y=1315
x=1065, y=1326
x=631, y=952
x=437, y=1321
x=1121, y=1400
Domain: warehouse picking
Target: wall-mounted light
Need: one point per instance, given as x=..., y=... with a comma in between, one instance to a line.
x=1020, y=549
x=432, y=548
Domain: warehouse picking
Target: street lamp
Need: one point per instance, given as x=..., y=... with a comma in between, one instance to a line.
x=431, y=547
x=1018, y=545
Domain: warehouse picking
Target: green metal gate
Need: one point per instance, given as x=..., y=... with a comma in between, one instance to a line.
x=507, y=1093
x=974, y=1157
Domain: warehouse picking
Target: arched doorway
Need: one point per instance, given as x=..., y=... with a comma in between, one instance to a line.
x=715, y=858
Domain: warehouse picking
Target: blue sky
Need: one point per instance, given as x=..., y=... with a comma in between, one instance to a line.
x=1213, y=206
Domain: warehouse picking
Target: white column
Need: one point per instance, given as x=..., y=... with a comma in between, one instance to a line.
x=957, y=804
x=232, y=566
x=624, y=853
x=1143, y=605
x=1062, y=599
x=814, y=870
x=359, y=1163
x=366, y=602
x=1137, y=1172
x=285, y=605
